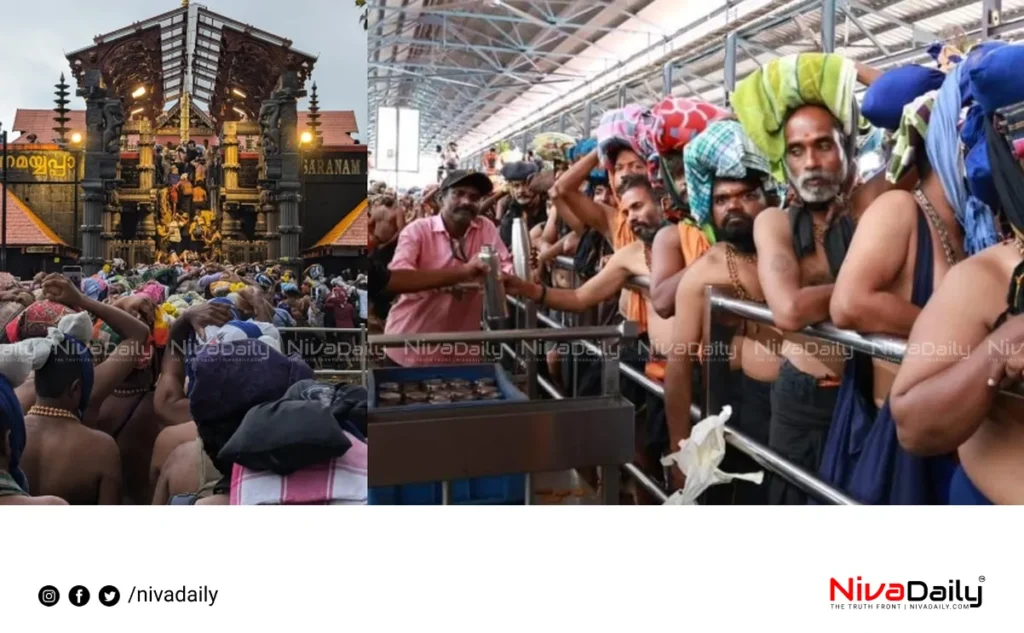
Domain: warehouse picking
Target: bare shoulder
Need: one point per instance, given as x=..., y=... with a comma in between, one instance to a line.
x=771, y=223
x=710, y=267
x=102, y=445
x=889, y=209
x=667, y=237
x=183, y=457
x=986, y=274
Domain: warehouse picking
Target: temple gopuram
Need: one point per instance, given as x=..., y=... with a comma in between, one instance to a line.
x=191, y=145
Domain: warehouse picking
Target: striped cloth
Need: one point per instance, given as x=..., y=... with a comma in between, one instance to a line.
x=910, y=136
x=765, y=98
x=340, y=481
x=723, y=150
x=620, y=129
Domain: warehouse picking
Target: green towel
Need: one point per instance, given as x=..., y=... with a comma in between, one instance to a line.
x=765, y=98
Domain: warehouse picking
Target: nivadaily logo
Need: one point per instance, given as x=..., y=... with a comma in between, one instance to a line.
x=911, y=594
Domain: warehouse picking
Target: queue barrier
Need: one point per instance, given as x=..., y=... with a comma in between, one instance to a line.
x=884, y=347
x=361, y=350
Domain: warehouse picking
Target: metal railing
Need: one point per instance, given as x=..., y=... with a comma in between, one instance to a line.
x=883, y=347
x=361, y=350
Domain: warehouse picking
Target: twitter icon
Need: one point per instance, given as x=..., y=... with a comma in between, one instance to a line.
x=109, y=596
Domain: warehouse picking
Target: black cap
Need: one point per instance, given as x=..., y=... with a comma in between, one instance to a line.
x=465, y=177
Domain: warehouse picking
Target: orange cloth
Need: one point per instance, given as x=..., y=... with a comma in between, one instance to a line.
x=185, y=187
x=655, y=370
x=692, y=241
x=198, y=195
x=622, y=236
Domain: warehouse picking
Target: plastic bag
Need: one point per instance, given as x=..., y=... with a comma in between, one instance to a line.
x=699, y=457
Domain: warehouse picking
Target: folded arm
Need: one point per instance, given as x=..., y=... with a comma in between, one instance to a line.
x=793, y=307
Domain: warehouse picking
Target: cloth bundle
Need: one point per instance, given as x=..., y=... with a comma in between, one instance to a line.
x=910, y=136
x=675, y=121
x=7, y=280
x=37, y=319
x=94, y=287
x=765, y=98
x=243, y=330
x=581, y=149
x=552, y=146
x=154, y=290
x=723, y=150
x=339, y=481
x=232, y=377
x=619, y=130
x=885, y=101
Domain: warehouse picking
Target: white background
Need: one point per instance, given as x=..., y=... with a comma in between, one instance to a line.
x=493, y=569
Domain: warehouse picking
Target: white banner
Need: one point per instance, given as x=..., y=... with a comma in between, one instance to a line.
x=408, y=140
x=386, y=157
x=513, y=569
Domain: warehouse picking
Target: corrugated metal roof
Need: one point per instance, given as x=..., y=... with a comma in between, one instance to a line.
x=898, y=32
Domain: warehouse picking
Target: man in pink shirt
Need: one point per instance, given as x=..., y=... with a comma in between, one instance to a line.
x=450, y=239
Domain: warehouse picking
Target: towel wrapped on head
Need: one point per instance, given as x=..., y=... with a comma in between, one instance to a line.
x=244, y=330
x=154, y=290
x=228, y=379
x=721, y=151
x=675, y=121
x=95, y=288
x=37, y=319
x=910, y=136
x=764, y=100
x=581, y=149
x=620, y=130
x=552, y=146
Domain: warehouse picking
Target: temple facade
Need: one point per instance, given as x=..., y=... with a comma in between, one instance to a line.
x=191, y=144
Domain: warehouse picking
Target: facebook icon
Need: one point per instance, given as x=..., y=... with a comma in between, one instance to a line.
x=79, y=596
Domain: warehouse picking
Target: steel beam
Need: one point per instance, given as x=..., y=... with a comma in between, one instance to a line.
x=730, y=63
x=991, y=16
x=828, y=26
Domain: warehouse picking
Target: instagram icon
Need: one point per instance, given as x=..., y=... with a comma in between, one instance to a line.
x=49, y=596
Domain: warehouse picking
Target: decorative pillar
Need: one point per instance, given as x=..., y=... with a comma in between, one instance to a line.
x=231, y=164
x=111, y=224
x=284, y=164
x=146, y=227
x=104, y=119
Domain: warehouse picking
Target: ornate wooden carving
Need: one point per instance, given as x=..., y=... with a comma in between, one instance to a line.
x=252, y=67
x=127, y=63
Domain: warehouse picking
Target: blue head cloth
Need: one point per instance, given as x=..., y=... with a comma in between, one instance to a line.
x=943, y=146
x=230, y=304
x=581, y=149
x=289, y=287
x=283, y=318
x=889, y=94
x=991, y=75
x=976, y=165
x=12, y=419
